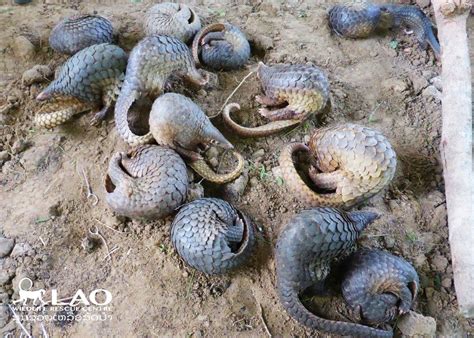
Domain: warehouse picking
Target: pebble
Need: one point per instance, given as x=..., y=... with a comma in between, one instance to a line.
x=212, y=153
x=6, y=246
x=22, y=47
x=374, y=53
x=439, y=263
x=396, y=85
x=4, y=277
x=419, y=261
x=258, y=153
x=214, y=162
x=21, y=249
x=423, y=3
x=4, y=316
x=447, y=282
x=234, y=190
x=4, y=156
x=38, y=73
x=436, y=81
x=431, y=91
x=415, y=324
x=263, y=42
x=4, y=297
x=20, y=146
x=389, y=242
x=419, y=83
x=253, y=182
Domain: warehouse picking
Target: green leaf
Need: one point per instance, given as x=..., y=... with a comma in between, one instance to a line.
x=279, y=180
x=42, y=220
x=393, y=44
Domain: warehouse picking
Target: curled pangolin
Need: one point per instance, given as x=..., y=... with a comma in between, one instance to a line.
x=221, y=46
x=148, y=182
x=152, y=61
x=350, y=162
x=177, y=122
x=212, y=236
x=91, y=78
x=172, y=19
x=360, y=21
x=80, y=31
x=377, y=285
x=299, y=91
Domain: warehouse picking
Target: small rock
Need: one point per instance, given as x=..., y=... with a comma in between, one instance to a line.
x=423, y=3
x=389, y=242
x=38, y=73
x=415, y=324
x=20, y=146
x=4, y=316
x=253, y=182
x=233, y=191
x=447, y=282
x=6, y=246
x=439, y=263
x=431, y=91
x=374, y=53
x=202, y=318
x=419, y=261
x=263, y=42
x=195, y=191
x=276, y=172
x=21, y=249
x=4, y=156
x=22, y=47
x=358, y=115
x=395, y=85
x=419, y=83
x=4, y=298
x=8, y=329
x=4, y=277
x=214, y=162
x=436, y=81
x=212, y=153
x=258, y=153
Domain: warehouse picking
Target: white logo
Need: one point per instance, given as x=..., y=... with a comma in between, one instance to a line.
x=32, y=305
x=27, y=294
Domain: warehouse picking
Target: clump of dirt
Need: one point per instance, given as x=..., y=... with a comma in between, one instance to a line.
x=385, y=82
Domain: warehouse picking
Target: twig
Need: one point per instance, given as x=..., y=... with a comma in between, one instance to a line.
x=18, y=321
x=115, y=248
x=232, y=94
x=264, y=323
x=102, y=238
x=89, y=193
x=107, y=226
x=42, y=241
x=50, y=185
x=43, y=329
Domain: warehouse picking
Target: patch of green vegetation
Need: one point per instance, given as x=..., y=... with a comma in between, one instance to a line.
x=40, y=220
x=393, y=44
x=279, y=180
x=262, y=173
x=437, y=282
x=163, y=248
x=411, y=236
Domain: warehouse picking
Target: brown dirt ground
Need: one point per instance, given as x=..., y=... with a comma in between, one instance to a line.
x=42, y=198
